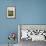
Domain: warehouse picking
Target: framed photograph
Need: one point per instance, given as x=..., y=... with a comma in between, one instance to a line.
x=33, y=32
x=11, y=12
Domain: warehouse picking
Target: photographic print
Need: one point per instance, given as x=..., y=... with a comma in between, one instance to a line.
x=11, y=12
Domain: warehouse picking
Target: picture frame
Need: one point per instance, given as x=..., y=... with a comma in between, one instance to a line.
x=39, y=35
x=11, y=12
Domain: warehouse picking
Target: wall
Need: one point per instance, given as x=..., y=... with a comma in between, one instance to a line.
x=27, y=12
x=6, y=25
x=31, y=11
